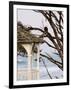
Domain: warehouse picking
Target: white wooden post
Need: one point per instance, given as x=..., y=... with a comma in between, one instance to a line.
x=28, y=48
x=38, y=55
x=29, y=67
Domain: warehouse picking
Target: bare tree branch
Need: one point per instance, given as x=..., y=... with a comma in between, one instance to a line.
x=46, y=69
x=34, y=28
x=53, y=61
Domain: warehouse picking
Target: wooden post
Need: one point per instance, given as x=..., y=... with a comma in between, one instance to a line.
x=29, y=67
x=38, y=55
x=28, y=48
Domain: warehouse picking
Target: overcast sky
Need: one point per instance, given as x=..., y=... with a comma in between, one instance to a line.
x=29, y=17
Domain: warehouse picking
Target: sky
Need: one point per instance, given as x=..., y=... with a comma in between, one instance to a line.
x=29, y=17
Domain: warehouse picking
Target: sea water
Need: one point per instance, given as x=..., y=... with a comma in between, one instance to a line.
x=55, y=72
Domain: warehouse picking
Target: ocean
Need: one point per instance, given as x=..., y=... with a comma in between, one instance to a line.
x=55, y=72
